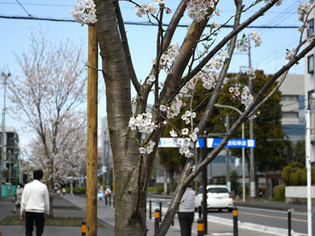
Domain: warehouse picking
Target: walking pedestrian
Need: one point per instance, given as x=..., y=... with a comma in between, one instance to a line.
x=18, y=196
x=186, y=211
x=35, y=205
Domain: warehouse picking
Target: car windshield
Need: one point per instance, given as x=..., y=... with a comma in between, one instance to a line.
x=217, y=190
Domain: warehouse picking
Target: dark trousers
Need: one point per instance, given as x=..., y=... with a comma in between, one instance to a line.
x=39, y=219
x=185, y=221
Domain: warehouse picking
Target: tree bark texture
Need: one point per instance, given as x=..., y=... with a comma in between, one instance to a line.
x=130, y=202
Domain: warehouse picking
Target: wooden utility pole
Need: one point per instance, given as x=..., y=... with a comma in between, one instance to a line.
x=91, y=169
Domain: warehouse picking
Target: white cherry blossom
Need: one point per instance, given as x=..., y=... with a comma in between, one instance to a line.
x=173, y=133
x=84, y=12
x=150, y=80
x=146, y=8
x=256, y=37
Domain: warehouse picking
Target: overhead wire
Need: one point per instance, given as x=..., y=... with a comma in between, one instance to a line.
x=279, y=17
x=23, y=8
x=264, y=57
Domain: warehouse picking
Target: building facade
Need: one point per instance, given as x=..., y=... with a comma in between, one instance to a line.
x=11, y=161
x=293, y=107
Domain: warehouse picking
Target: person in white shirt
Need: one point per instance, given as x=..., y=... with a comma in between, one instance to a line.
x=186, y=212
x=35, y=205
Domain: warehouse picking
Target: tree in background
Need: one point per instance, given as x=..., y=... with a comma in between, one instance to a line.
x=267, y=125
x=47, y=97
x=200, y=56
x=70, y=157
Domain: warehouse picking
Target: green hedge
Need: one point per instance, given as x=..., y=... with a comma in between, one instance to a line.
x=294, y=174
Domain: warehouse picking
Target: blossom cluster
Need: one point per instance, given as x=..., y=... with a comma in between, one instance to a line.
x=84, y=12
x=303, y=10
x=198, y=9
x=242, y=44
x=148, y=149
x=190, y=85
x=143, y=122
x=245, y=97
x=256, y=37
x=146, y=8
x=150, y=80
x=188, y=116
x=185, y=144
x=173, y=110
x=207, y=77
x=168, y=57
x=251, y=73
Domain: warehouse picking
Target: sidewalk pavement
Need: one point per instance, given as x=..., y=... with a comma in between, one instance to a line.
x=105, y=214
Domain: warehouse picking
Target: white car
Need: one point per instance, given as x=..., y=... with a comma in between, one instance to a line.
x=218, y=197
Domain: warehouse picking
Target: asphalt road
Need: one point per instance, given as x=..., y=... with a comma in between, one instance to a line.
x=270, y=218
x=257, y=216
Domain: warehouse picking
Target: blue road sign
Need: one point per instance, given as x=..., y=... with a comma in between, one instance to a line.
x=211, y=143
x=233, y=143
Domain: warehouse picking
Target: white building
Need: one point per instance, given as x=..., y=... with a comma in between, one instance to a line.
x=293, y=107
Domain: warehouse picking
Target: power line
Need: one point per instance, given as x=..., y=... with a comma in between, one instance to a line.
x=23, y=8
x=140, y=23
x=279, y=18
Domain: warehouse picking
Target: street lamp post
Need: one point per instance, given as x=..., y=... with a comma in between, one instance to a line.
x=243, y=149
x=308, y=169
x=9, y=172
x=5, y=76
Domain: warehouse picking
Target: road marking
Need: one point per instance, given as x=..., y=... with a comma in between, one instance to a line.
x=220, y=234
x=268, y=216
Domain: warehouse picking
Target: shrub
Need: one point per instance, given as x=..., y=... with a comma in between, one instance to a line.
x=151, y=189
x=298, y=177
x=279, y=192
x=79, y=190
x=159, y=189
x=296, y=174
x=286, y=172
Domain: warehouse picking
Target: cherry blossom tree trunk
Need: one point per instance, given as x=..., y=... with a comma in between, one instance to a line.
x=132, y=169
x=130, y=201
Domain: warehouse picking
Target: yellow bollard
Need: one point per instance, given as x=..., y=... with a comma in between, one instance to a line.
x=83, y=228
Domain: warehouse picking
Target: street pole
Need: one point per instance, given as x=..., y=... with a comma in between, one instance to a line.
x=243, y=166
x=5, y=76
x=9, y=172
x=308, y=169
x=251, y=133
x=91, y=169
x=204, y=191
x=228, y=183
x=243, y=149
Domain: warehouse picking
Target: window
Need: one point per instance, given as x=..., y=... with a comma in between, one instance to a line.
x=309, y=96
x=310, y=29
x=290, y=114
x=290, y=98
x=310, y=64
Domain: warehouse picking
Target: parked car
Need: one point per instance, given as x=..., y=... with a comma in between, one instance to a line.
x=218, y=197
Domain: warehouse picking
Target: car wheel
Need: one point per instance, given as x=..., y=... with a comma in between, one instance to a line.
x=219, y=209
